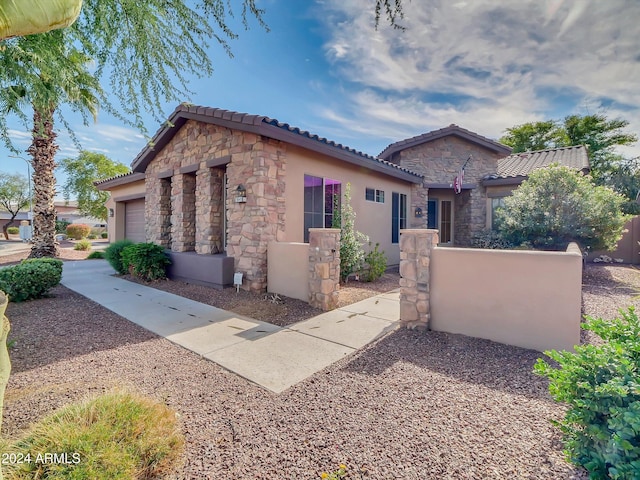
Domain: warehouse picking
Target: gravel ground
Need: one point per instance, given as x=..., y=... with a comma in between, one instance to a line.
x=410, y=406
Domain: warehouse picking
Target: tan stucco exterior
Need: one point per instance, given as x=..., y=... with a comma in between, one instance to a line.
x=118, y=196
x=288, y=264
x=372, y=218
x=530, y=299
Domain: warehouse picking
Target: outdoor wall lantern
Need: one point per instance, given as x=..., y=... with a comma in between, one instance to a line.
x=241, y=194
x=111, y=212
x=418, y=212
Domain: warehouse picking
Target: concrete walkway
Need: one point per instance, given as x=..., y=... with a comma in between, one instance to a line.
x=273, y=357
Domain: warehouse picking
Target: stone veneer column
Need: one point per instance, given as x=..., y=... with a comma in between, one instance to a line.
x=415, y=257
x=183, y=218
x=324, y=267
x=209, y=210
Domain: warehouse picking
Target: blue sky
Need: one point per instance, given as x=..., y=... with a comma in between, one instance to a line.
x=485, y=65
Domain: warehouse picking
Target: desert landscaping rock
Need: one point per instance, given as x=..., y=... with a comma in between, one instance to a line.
x=410, y=406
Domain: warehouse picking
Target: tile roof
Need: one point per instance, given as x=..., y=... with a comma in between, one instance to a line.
x=443, y=132
x=523, y=163
x=268, y=127
x=121, y=179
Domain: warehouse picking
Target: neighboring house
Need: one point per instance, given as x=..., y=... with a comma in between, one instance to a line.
x=215, y=187
x=490, y=174
x=68, y=212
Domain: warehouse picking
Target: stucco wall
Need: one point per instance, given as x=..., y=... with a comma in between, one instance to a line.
x=288, y=269
x=372, y=219
x=530, y=299
x=119, y=194
x=439, y=161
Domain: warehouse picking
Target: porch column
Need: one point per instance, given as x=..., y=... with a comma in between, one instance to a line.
x=415, y=257
x=209, y=210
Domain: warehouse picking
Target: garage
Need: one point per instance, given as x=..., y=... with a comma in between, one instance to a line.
x=134, y=220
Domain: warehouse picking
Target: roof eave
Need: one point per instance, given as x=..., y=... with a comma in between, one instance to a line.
x=118, y=181
x=494, y=182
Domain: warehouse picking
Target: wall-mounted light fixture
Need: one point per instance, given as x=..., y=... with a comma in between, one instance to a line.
x=111, y=213
x=418, y=212
x=241, y=194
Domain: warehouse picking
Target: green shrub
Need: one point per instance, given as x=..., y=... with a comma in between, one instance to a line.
x=558, y=205
x=104, y=235
x=146, y=260
x=601, y=385
x=13, y=230
x=83, y=245
x=78, y=231
x=377, y=262
x=96, y=254
x=61, y=226
x=92, y=236
x=30, y=279
x=490, y=239
x=114, y=436
x=351, y=240
x=55, y=262
x=113, y=255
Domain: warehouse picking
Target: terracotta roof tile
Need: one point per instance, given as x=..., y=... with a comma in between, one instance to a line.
x=269, y=127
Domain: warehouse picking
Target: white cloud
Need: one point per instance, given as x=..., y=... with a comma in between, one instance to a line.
x=485, y=65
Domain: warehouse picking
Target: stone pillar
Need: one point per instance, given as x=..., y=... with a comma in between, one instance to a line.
x=415, y=257
x=210, y=210
x=183, y=218
x=324, y=267
x=163, y=212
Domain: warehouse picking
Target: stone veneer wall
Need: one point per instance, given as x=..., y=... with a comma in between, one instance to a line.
x=324, y=267
x=209, y=235
x=439, y=161
x=256, y=162
x=183, y=212
x=415, y=257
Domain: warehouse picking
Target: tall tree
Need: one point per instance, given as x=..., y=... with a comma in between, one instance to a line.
x=601, y=136
x=14, y=196
x=43, y=72
x=534, y=136
x=82, y=172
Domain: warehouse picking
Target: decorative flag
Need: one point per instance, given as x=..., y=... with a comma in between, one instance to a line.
x=457, y=182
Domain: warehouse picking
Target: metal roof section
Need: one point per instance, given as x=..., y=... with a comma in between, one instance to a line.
x=268, y=127
x=523, y=163
x=444, y=132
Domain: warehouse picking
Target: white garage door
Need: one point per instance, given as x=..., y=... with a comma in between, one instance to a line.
x=134, y=220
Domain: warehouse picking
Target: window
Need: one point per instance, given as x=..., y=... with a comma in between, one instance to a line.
x=496, y=204
x=374, y=195
x=321, y=200
x=398, y=215
x=445, y=221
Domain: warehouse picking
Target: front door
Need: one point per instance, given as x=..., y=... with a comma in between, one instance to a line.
x=440, y=217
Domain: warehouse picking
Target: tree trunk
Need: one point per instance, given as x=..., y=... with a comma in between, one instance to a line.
x=5, y=361
x=43, y=151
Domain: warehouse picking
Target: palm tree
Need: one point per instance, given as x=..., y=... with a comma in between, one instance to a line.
x=45, y=71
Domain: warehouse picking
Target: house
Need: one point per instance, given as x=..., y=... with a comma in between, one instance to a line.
x=490, y=174
x=214, y=187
